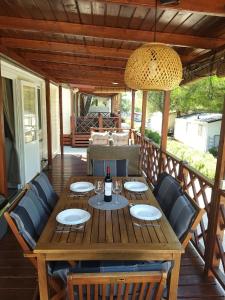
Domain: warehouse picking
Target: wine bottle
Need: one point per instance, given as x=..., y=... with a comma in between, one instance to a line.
x=108, y=186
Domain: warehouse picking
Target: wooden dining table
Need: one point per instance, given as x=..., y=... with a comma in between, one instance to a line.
x=108, y=235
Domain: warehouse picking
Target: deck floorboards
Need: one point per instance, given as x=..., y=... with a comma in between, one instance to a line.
x=18, y=278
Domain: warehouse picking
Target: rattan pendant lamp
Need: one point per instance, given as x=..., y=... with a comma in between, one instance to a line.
x=154, y=66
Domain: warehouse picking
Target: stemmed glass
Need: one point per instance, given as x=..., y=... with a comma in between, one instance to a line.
x=99, y=189
x=117, y=189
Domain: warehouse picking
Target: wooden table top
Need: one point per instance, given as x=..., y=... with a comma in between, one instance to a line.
x=108, y=234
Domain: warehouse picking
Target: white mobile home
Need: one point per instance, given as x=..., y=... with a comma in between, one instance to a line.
x=200, y=131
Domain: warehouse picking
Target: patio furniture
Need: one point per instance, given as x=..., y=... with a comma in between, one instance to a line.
x=43, y=188
x=146, y=285
x=101, y=152
x=118, y=167
x=27, y=218
x=166, y=191
x=184, y=218
x=108, y=235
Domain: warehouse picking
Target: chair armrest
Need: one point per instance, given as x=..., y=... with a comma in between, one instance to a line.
x=29, y=254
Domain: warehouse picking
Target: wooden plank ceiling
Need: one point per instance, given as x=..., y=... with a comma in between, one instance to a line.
x=87, y=43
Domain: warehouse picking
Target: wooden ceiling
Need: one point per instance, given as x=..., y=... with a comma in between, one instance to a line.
x=87, y=43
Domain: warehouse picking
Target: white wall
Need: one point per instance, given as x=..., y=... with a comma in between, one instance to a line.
x=55, y=121
x=66, y=107
x=191, y=133
x=213, y=129
x=16, y=73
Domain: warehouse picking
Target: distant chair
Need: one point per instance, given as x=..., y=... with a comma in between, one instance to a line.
x=145, y=285
x=117, y=167
x=166, y=191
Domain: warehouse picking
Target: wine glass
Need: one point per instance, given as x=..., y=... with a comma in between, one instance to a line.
x=99, y=189
x=117, y=189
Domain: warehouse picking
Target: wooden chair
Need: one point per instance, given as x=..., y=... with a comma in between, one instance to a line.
x=96, y=286
x=55, y=283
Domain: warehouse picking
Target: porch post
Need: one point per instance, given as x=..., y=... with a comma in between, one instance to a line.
x=3, y=177
x=132, y=110
x=61, y=119
x=165, y=121
x=215, y=228
x=48, y=114
x=144, y=107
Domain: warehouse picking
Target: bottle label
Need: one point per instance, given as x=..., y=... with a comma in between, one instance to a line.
x=108, y=188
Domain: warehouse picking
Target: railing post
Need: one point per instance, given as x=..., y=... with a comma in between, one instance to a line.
x=100, y=121
x=212, y=253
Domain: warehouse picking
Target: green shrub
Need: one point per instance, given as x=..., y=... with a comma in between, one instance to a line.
x=153, y=135
x=214, y=151
x=205, y=163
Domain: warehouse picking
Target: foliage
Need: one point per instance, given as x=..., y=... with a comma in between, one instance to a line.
x=153, y=135
x=205, y=163
x=205, y=95
x=214, y=151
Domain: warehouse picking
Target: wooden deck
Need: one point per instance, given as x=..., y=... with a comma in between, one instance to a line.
x=18, y=278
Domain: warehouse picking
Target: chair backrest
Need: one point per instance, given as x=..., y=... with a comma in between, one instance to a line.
x=101, y=152
x=166, y=191
x=96, y=286
x=117, y=167
x=43, y=188
x=185, y=217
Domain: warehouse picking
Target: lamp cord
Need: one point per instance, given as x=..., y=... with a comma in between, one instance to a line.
x=156, y=6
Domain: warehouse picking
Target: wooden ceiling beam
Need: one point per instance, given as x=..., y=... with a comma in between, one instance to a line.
x=24, y=63
x=66, y=48
x=61, y=49
x=74, y=60
x=122, y=34
x=205, y=7
x=83, y=81
x=78, y=68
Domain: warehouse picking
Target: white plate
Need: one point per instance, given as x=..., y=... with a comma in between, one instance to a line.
x=145, y=212
x=81, y=187
x=73, y=216
x=135, y=186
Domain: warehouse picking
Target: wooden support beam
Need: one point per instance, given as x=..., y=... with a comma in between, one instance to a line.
x=110, y=32
x=132, y=110
x=3, y=172
x=66, y=48
x=205, y=7
x=48, y=118
x=74, y=60
x=165, y=123
x=144, y=110
x=61, y=120
x=214, y=226
x=78, y=68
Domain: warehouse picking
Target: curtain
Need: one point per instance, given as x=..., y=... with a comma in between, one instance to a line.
x=12, y=160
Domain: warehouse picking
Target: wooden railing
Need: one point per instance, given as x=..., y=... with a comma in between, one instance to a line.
x=84, y=123
x=198, y=187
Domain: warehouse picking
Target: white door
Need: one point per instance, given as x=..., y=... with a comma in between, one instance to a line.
x=30, y=130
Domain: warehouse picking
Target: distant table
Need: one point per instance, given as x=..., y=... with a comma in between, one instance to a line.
x=108, y=235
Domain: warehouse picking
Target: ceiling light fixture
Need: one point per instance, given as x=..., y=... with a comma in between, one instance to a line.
x=154, y=66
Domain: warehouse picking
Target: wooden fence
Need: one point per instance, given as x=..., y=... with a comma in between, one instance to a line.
x=198, y=187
